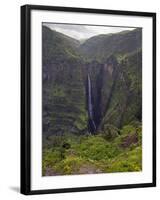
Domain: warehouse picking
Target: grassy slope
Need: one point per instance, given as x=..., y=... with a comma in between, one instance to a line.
x=94, y=154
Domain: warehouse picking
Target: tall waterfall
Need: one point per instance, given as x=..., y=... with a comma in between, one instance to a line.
x=92, y=125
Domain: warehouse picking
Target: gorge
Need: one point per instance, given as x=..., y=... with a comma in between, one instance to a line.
x=91, y=103
x=91, y=123
x=81, y=93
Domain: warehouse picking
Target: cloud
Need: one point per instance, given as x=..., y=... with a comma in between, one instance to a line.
x=81, y=32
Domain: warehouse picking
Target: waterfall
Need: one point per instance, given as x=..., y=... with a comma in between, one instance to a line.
x=92, y=125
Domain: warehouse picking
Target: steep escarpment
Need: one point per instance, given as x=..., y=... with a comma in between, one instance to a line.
x=103, y=77
x=126, y=96
x=116, y=90
x=115, y=68
x=90, y=86
x=64, y=108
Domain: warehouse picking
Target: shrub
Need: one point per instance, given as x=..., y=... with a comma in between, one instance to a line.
x=127, y=162
x=110, y=132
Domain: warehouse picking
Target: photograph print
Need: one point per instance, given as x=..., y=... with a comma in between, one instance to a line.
x=91, y=99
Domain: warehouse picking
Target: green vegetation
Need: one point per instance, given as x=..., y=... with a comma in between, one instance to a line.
x=63, y=85
x=126, y=103
x=100, y=47
x=72, y=154
x=114, y=63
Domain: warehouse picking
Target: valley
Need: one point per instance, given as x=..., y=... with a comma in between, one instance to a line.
x=92, y=103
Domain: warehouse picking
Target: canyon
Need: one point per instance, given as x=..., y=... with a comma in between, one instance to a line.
x=88, y=86
x=91, y=103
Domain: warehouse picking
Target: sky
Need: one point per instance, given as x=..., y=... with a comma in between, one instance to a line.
x=82, y=32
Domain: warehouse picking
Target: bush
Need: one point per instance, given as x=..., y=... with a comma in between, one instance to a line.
x=70, y=165
x=73, y=154
x=127, y=162
x=110, y=132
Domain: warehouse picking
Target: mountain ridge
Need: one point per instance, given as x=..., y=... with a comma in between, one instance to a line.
x=102, y=46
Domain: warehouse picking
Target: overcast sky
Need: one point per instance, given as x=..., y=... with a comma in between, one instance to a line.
x=81, y=32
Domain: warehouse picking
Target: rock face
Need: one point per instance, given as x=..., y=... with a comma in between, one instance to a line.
x=125, y=98
x=117, y=92
x=103, y=81
x=64, y=98
x=113, y=64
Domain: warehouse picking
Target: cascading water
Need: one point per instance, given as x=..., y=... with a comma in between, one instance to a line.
x=92, y=126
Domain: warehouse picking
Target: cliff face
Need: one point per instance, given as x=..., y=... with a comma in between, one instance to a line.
x=117, y=90
x=125, y=103
x=103, y=80
x=113, y=63
x=64, y=108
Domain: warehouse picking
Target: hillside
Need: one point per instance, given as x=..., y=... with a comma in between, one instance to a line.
x=63, y=86
x=92, y=103
x=102, y=46
x=57, y=46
